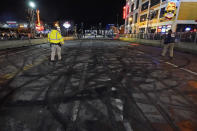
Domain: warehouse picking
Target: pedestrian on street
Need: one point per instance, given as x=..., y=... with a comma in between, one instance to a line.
x=56, y=41
x=95, y=33
x=169, y=42
x=79, y=33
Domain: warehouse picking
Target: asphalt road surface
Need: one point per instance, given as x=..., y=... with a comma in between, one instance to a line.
x=100, y=85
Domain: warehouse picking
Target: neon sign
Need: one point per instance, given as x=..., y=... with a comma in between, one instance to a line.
x=170, y=10
x=124, y=12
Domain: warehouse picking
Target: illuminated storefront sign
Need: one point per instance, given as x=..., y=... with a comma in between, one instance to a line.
x=67, y=25
x=170, y=10
x=39, y=28
x=124, y=12
x=11, y=22
x=25, y=25
x=159, y=29
x=188, y=29
x=164, y=28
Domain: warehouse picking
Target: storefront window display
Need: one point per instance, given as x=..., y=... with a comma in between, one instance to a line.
x=164, y=28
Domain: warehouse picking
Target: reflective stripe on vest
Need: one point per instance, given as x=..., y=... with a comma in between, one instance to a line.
x=56, y=37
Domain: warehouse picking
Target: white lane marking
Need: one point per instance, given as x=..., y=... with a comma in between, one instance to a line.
x=194, y=73
x=171, y=64
x=189, y=71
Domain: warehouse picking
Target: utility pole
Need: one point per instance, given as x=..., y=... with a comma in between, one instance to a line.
x=117, y=20
x=33, y=23
x=32, y=6
x=82, y=29
x=100, y=28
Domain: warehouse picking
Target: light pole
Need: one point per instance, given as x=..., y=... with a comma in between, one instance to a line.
x=117, y=20
x=148, y=17
x=100, y=28
x=82, y=29
x=32, y=6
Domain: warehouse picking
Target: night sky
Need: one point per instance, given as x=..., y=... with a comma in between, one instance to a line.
x=91, y=12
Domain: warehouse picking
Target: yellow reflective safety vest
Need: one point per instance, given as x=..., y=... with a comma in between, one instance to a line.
x=55, y=37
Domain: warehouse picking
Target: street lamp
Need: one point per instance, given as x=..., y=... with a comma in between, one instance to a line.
x=67, y=25
x=32, y=4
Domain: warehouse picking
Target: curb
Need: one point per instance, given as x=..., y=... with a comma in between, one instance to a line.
x=157, y=43
x=25, y=43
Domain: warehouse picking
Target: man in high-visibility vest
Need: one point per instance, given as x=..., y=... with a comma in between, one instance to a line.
x=56, y=40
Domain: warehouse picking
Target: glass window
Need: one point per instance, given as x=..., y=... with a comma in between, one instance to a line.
x=132, y=7
x=145, y=6
x=127, y=21
x=154, y=14
x=143, y=18
x=137, y=4
x=136, y=17
x=142, y=30
x=154, y=2
x=162, y=12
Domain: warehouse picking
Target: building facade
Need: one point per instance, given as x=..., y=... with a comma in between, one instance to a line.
x=158, y=16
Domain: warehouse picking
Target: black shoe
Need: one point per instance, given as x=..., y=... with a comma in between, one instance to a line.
x=52, y=63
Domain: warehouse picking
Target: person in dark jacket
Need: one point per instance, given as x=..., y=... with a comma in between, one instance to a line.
x=169, y=43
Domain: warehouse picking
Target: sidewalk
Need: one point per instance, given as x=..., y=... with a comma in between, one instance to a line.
x=182, y=46
x=21, y=43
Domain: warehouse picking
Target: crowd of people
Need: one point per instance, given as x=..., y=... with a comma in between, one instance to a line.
x=13, y=36
x=18, y=35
